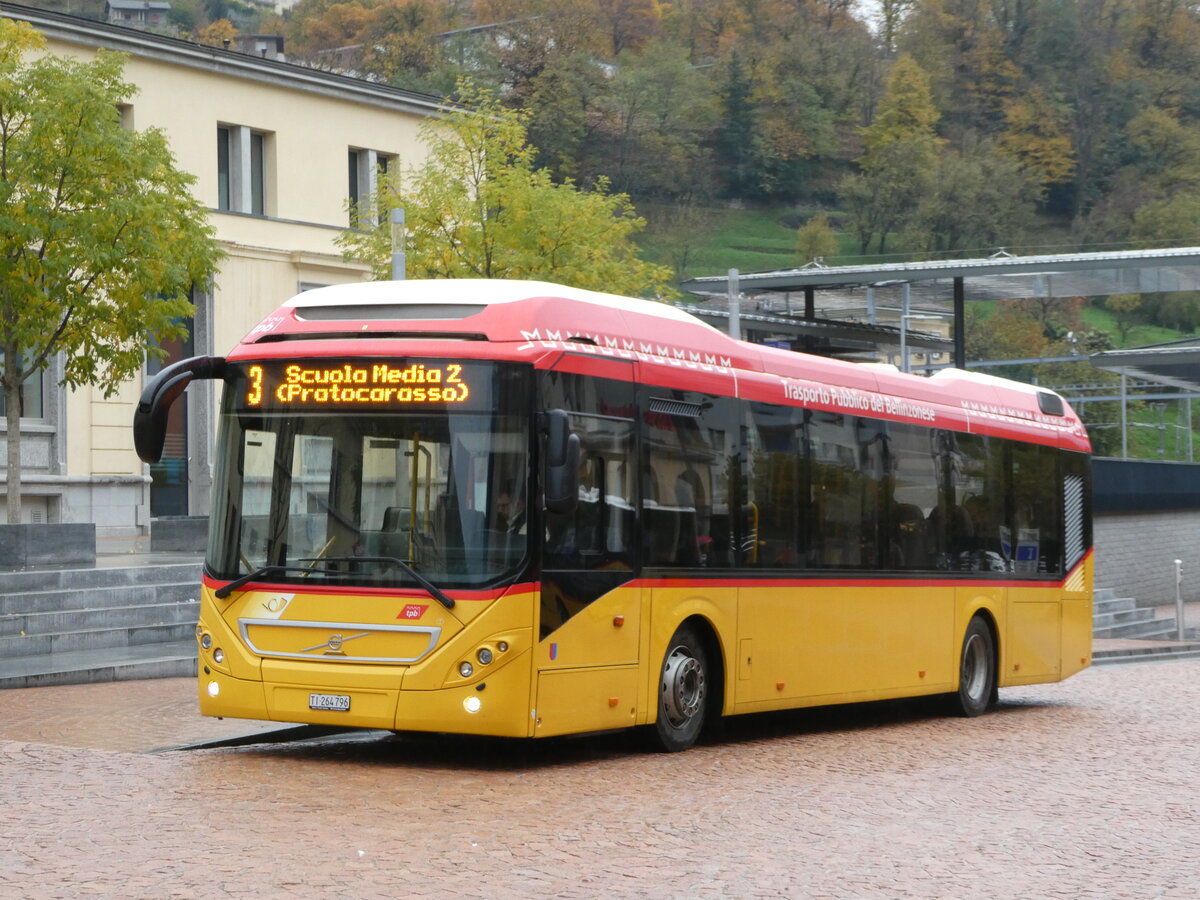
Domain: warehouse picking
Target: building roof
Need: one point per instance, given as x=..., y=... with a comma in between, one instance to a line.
x=90, y=33
x=136, y=4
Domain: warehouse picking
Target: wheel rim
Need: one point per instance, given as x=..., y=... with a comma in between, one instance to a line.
x=682, y=687
x=975, y=668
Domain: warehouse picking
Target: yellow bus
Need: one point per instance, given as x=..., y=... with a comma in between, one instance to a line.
x=519, y=509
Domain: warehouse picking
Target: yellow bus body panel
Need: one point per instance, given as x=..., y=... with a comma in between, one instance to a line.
x=847, y=643
x=781, y=645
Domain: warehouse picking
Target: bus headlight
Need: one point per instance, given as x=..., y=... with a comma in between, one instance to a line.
x=465, y=669
x=206, y=641
x=218, y=655
x=484, y=656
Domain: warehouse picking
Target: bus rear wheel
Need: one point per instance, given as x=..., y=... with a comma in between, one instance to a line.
x=977, y=670
x=682, y=692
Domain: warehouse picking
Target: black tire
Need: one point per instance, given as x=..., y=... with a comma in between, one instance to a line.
x=976, y=670
x=683, y=692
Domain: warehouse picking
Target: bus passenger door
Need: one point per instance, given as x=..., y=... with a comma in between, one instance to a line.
x=590, y=615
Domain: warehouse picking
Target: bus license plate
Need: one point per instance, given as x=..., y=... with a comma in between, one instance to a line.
x=337, y=702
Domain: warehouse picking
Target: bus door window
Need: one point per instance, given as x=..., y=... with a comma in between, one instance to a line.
x=587, y=552
x=596, y=534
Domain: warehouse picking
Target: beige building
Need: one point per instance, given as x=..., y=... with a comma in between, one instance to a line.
x=277, y=150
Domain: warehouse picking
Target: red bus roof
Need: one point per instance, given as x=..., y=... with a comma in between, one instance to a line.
x=587, y=331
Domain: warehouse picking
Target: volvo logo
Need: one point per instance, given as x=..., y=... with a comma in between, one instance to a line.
x=332, y=646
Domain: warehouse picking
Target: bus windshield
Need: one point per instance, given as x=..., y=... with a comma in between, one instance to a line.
x=357, y=472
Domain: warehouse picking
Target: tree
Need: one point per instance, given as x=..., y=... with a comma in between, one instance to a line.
x=1036, y=138
x=901, y=153
x=977, y=199
x=477, y=208
x=217, y=34
x=100, y=238
x=658, y=110
x=1126, y=310
x=815, y=239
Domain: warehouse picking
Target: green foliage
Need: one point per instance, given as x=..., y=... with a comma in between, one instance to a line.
x=815, y=239
x=478, y=208
x=100, y=238
x=906, y=116
x=1125, y=309
x=977, y=199
x=900, y=157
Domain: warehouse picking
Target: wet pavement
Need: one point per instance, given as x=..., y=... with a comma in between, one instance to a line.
x=127, y=716
x=1090, y=788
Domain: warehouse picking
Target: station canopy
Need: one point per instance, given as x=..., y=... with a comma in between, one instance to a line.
x=1001, y=276
x=1175, y=363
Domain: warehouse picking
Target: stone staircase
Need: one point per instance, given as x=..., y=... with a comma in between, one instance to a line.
x=1121, y=617
x=110, y=623
x=1125, y=632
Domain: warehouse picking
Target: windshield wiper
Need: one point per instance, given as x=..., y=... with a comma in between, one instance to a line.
x=433, y=589
x=225, y=590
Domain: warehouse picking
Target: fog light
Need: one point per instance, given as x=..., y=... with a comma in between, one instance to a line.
x=502, y=646
x=206, y=641
x=472, y=704
x=484, y=656
x=465, y=669
x=213, y=689
x=219, y=655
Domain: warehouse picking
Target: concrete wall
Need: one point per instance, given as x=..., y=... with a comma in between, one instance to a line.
x=1147, y=515
x=1136, y=553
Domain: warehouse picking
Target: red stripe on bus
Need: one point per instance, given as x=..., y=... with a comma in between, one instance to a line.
x=403, y=593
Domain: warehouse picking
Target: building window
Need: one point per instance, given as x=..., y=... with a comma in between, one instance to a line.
x=31, y=398
x=242, y=170
x=368, y=171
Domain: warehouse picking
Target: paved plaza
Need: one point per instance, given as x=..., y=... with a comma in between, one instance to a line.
x=1090, y=788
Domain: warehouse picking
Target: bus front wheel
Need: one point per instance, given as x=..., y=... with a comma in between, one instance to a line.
x=682, y=692
x=977, y=670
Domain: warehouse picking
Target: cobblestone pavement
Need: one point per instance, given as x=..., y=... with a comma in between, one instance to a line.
x=1090, y=788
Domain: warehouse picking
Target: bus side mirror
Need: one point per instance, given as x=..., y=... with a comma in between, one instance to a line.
x=150, y=417
x=561, y=487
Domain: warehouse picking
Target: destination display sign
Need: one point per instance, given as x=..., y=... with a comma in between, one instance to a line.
x=328, y=384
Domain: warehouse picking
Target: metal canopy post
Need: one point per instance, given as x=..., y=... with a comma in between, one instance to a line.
x=810, y=305
x=960, y=328
x=1124, y=418
x=735, y=306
